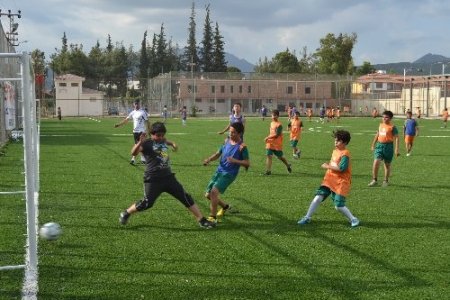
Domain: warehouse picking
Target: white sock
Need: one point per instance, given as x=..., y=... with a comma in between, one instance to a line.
x=345, y=211
x=314, y=205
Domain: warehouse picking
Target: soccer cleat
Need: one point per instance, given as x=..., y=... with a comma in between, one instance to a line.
x=373, y=183
x=354, y=222
x=267, y=173
x=408, y=154
x=132, y=162
x=289, y=169
x=299, y=152
x=295, y=156
x=303, y=221
x=204, y=223
x=385, y=183
x=123, y=217
x=212, y=220
x=222, y=211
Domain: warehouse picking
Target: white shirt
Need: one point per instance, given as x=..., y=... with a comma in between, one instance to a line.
x=139, y=117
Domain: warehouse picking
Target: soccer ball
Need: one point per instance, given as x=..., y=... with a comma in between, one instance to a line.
x=50, y=231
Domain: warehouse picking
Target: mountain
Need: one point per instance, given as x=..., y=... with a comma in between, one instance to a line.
x=429, y=64
x=240, y=63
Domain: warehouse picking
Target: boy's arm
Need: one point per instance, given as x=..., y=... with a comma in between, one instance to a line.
x=138, y=146
x=224, y=130
x=211, y=158
x=396, y=142
x=121, y=122
x=172, y=144
x=375, y=139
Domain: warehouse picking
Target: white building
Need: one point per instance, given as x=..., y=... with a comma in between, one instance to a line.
x=74, y=100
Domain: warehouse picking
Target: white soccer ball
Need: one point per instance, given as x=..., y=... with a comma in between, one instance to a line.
x=50, y=231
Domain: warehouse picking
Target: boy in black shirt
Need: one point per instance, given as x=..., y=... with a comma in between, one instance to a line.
x=158, y=176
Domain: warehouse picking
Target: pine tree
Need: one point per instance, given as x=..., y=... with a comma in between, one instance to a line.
x=206, y=52
x=190, y=56
x=143, y=66
x=219, y=62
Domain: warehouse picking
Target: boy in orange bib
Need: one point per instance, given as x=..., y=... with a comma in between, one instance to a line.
x=337, y=180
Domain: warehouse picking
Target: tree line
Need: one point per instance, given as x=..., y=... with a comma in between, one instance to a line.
x=110, y=68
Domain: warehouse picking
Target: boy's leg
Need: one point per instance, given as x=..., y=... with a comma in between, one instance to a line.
x=387, y=171
x=315, y=203
x=214, y=201
x=268, y=164
x=375, y=167
x=288, y=165
x=345, y=211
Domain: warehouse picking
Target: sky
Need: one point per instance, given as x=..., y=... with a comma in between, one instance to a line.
x=388, y=30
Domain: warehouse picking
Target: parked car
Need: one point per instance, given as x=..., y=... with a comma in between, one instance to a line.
x=113, y=111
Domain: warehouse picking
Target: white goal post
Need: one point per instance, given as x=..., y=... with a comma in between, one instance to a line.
x=26, y=98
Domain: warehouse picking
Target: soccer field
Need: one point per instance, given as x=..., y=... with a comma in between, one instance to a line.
x=400, y=251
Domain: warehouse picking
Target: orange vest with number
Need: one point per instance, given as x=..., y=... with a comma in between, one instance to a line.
x=385, y=133
x=296, y=129
x=337, y=181
x=275, y=143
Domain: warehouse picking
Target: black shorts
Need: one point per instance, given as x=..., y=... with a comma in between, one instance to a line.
x=136, y=136
x=168, y=184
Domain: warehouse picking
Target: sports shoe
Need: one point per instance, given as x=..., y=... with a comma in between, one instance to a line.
x=385, y=183
x=355, y=222
x=132, y=162
x=408, y=154
x=267, y=173
x=222, y=211
x=212, y=220
x=299, y=152
x=204, y=223
x=373, y=183
x=303, y=221
x=295, y=156
x=289, y=169
x=123, y=217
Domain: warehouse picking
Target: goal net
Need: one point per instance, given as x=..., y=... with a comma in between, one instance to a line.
x=19, y=118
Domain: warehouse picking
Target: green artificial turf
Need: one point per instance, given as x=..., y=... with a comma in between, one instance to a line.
x=400, y=251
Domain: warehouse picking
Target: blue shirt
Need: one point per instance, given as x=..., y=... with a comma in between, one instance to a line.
x=410, y=127
x=234, y=151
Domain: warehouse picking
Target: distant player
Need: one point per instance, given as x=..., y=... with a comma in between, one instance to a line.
x=140, y=120
x=384, y=145
x=410, y=131
x=336, y=182
x=183, y=113
x=274, y=143
x=295, y=131
x=236, y=116
x=445, y=117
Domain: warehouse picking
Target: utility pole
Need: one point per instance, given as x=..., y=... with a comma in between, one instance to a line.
x=11, y=35
x=192, y=64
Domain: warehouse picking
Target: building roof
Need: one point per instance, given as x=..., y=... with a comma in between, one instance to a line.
x=69, y=77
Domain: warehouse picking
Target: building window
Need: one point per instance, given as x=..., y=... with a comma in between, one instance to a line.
x=240, y=89
x=220, y=100
x=62, y=84
x=307, y=90
x=290, y=90
x=74, y=84
x=232, y=89
x=249, y=89
x=222, y=89
x=213, y=89
x=190, y=89
x=378, y=85
x=198, y=100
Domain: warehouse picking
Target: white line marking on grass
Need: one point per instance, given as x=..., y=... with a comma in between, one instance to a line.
x=435, y=136
x=58, y=135
x=177, y=133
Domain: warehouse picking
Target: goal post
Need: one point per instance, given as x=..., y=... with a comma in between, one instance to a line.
x=27, y=101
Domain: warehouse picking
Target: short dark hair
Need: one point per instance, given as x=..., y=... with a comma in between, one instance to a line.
x=388, y=113
x=342, y=135
x=276, y=112
x=158, y=127
x=239, y=127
